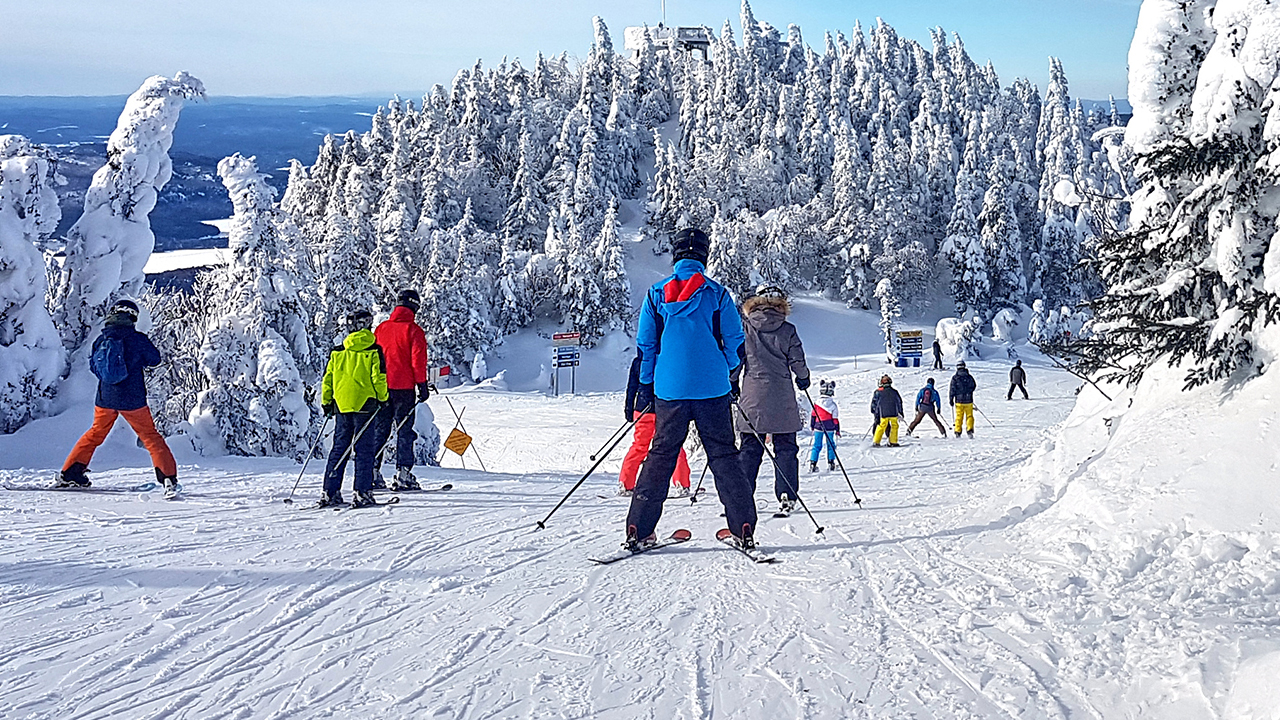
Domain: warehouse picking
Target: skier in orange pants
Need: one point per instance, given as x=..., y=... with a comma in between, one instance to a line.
x=643, y=437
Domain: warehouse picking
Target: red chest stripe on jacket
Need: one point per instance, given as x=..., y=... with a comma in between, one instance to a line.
x=821, y=414
x=678, y=290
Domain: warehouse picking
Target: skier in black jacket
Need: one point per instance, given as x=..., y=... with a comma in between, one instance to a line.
x=962, y=387
x=886, y=405
x=1017, y=379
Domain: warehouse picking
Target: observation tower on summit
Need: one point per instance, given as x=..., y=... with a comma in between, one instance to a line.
x=670, y=39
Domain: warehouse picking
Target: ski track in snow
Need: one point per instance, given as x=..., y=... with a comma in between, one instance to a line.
x=233, y=605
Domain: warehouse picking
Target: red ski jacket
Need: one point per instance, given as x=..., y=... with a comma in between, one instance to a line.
x=405, y=346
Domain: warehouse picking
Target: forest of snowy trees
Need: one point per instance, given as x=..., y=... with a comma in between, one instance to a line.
x=875, y=170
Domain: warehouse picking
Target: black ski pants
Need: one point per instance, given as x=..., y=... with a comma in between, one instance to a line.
x=345, y=429
x=715, y=427
x=401, y=404
x=1019, y=386
x=937, y=362
x=786, y=474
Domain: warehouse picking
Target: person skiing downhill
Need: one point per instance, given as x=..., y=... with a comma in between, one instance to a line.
x=690, y=336
x=961, y=396
x=928, y=404
x=642, y=438
x=404, y=345
x=772, y=353
x=1017, y=379
x=355, y=390
x=824, y=420
x=118, y=357
x=937, y=355
x=886, y=405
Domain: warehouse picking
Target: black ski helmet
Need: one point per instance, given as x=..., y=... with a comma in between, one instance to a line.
x=125, y=308
x=409, y=298
x=692, y=244
x=359, y=319
x=827, y=388
x=771, y=291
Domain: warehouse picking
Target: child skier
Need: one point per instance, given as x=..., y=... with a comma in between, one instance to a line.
x=119, y=355
x=825, y=423
x=886, y=405
x=928, y=404
x=355, y=390
x=645, y=425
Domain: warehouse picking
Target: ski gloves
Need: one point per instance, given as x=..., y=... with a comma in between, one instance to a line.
x=424, y=391
x=644, y=399
x=802, y=383
x=735, y=389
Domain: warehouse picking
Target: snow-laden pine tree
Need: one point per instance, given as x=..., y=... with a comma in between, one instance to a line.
x=31, y=354
x=890, y=312
x=112, y=241
x=1001, y=242
x=1061, y=148
x=1197, y=278
x=258, y=345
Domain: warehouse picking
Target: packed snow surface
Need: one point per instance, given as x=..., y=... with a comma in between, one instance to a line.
x=983, y=578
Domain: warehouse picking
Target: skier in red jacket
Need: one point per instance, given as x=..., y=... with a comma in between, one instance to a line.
x=405, y=347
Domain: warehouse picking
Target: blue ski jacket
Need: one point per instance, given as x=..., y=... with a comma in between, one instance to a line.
x=139, y=354
x=936, y=402
x=689, y=336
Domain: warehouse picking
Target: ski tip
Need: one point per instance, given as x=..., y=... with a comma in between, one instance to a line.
x=681, y=534
x=288, y=501
x=723, y=534
x=447, y=486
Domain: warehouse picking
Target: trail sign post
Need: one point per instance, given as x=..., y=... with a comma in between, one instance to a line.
x=566, y=352
x=910, y=347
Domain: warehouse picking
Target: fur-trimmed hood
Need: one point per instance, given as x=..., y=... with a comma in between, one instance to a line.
x=762, y=301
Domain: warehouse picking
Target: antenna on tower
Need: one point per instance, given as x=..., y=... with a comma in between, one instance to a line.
x=664, y=13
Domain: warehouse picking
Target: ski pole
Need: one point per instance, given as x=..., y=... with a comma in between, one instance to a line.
x=542, y=524
x=611, y=437
x=777, y=469
x=984, y=417
x=694, y=497
x=310, y=452
x=868, y=432
x=464, y=429
x=831, y=442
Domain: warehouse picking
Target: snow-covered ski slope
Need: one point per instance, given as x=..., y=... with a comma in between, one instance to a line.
x=966, y=586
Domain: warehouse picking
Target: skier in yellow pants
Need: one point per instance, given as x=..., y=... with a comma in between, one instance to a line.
x=886, y=405
x=962, y=387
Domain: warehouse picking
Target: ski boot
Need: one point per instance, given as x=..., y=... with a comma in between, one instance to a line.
x=378, y=482
x=634, y=544
x=363, y=499
x=813, y=466
x=786, y=505
x=168, y=482
x=831, y=465
x=404, y=480
x=74, y=476
x=624, y=492
x=681, y=491
x=894, y=445
x=330, y=500
x=957, y=433
x=970, y=435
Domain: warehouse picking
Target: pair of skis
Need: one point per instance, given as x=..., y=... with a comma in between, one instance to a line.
x=142, y=489
x=683, y=536
x=393, y=500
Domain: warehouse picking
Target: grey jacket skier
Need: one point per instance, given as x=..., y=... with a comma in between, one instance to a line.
x=1017, y=379
x=772, y=354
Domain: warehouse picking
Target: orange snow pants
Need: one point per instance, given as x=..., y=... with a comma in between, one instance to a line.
x=645, y=426
x=142, y=424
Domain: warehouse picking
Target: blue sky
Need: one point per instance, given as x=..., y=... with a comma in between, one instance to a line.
x=379, y=47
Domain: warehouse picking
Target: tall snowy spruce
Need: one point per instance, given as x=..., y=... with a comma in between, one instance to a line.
x=31, y=354
x=111, y=242
x=258, y=346
x=1198, y=276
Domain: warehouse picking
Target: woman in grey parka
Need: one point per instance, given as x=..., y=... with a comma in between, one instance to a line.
x=772, y=354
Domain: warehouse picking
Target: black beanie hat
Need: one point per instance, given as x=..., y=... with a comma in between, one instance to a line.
x=410, y=299
x=692, y=244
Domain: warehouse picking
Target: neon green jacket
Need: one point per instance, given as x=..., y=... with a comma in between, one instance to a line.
x=357, y=373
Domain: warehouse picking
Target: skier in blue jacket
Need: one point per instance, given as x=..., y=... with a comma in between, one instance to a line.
x=689, y=337
x=928, y=404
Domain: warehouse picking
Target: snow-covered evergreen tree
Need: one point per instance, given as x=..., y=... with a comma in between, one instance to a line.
x=112, y=241
x=255, y=402
x=1197, y=278
x=31, y=354
x=890, y=311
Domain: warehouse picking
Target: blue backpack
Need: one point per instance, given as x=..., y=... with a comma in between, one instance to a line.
x=107, y=361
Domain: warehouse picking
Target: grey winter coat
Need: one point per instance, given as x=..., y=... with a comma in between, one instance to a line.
x=773, y=353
